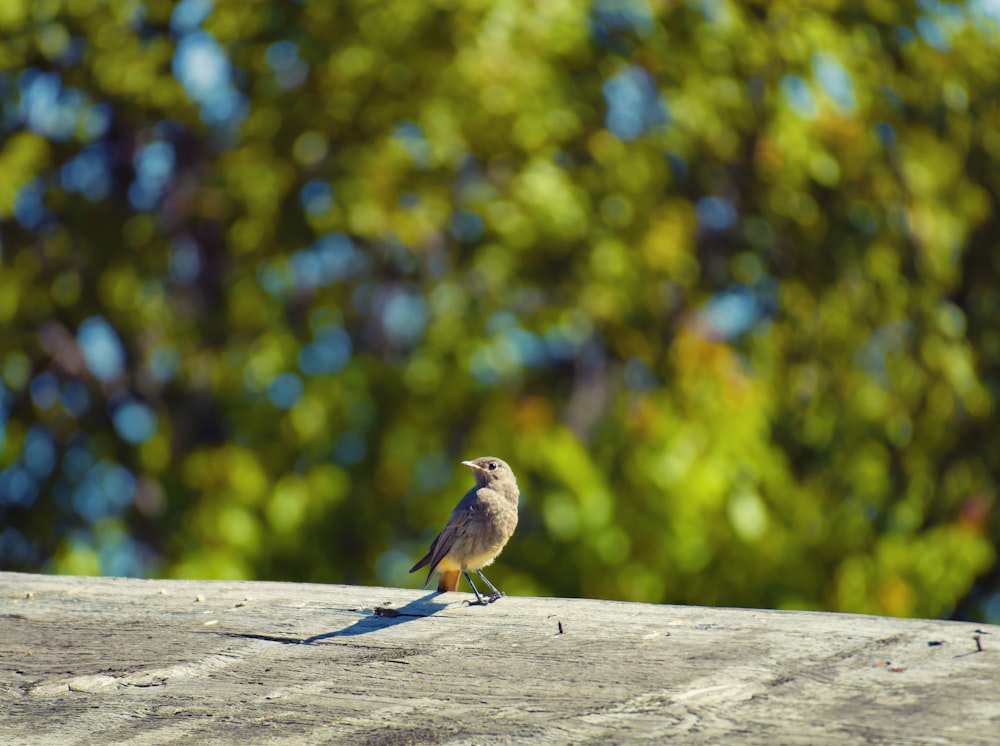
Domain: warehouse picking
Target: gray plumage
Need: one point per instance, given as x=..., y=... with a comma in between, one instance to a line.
x=479, y=528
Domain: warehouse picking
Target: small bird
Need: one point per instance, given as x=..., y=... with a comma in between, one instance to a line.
x=479, y=527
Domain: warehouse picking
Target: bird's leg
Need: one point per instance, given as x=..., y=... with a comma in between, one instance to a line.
x=479, y=599
x=497, y=593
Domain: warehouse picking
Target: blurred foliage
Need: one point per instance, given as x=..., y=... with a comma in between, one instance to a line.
x=719, y=279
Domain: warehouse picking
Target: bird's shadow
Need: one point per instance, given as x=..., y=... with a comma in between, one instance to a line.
x=379, y=617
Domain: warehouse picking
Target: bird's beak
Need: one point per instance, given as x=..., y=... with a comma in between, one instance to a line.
x=473, y=465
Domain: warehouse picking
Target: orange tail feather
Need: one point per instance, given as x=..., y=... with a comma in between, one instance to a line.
x=448, y=581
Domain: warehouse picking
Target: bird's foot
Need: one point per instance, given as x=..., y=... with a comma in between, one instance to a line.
x=486, y=600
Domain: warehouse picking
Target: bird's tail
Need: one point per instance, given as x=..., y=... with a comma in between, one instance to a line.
x=448, y=580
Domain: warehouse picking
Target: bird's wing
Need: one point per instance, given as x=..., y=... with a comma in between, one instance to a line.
x=456, y=526
x=425, y=559
x=433, y=556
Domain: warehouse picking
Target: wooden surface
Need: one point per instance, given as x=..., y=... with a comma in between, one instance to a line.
x=104, y=660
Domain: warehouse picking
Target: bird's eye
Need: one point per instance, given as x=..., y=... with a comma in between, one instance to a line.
x=493, y=465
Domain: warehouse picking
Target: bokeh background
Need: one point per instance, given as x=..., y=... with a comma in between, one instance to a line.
x=720, y=280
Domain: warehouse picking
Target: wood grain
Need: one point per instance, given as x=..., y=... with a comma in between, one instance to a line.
x=107, y=660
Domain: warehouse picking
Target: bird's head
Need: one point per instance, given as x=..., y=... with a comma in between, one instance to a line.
x=490, y=471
